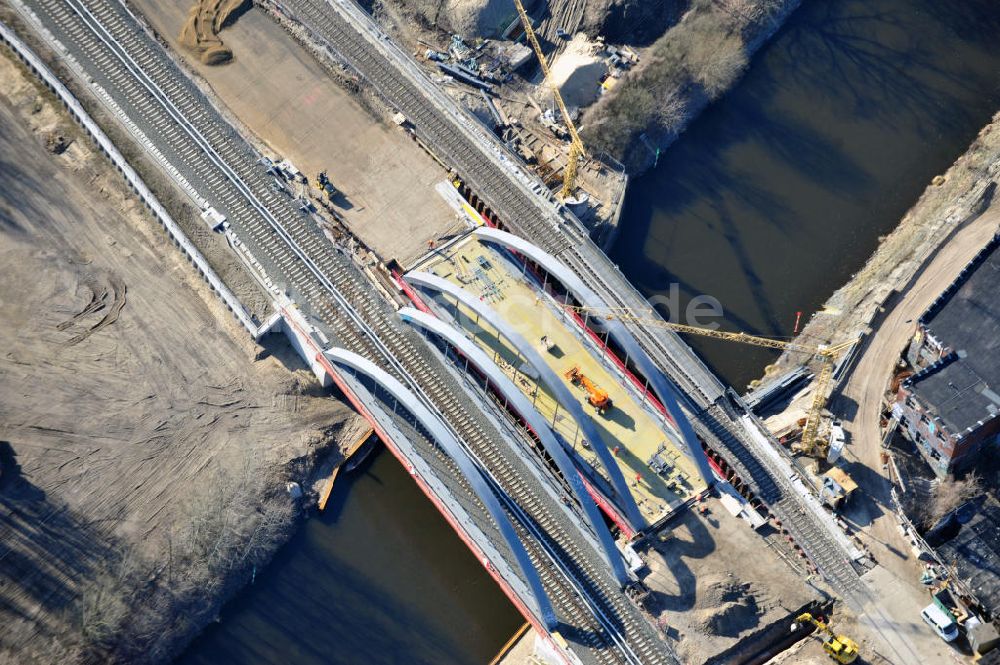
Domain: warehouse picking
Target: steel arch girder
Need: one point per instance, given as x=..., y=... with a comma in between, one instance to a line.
x=662, y=386
x=562, y=394
x=534, y=419
x=433, y=424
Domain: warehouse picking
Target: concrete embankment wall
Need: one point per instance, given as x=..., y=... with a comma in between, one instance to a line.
x=75, y=109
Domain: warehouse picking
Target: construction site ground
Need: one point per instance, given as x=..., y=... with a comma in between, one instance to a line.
x=859, y=403
x=809, y=650
x=935, y=241
x=715, y=582
x=131, y=402
x=282, y=96
x=633, y=431
x=521, y=100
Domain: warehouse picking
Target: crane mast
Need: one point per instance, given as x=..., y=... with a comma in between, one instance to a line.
x=576, y=149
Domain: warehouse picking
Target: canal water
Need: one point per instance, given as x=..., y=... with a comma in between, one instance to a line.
x=379, y=577
x=776, y=195
x=769, y=202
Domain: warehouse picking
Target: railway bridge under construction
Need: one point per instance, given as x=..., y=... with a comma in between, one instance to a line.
x=466, y=437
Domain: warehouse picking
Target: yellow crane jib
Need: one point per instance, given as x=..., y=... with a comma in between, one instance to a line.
x=576, y=149
x=821, y=389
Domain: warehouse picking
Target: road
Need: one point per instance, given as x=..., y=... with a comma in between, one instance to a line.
x=871, y=511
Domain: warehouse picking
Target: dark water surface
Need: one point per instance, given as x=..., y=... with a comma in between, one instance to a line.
x=379, y=577
x=772, y=199
x=777, y=194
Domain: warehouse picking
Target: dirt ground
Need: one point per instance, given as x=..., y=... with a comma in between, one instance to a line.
x=716, y=581
x=144, y=450
x=200, y=32
x=277, y=90
x=809, y=650
x=577, y=72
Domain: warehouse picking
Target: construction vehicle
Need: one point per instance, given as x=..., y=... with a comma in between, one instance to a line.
x=811, y=443
x=576, y=149
x=598, y=398
x=837, y=487
x=324, y=184
x=839, y=647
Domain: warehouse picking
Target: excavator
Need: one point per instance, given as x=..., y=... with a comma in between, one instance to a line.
x=839, y=647
x=598, y=398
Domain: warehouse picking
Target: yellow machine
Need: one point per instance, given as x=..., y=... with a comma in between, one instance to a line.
x=839, y=647
x=576, y=150
x=324, y=184
x=811, y=443
x=597, y=397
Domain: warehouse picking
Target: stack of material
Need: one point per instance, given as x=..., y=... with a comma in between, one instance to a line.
x=204, y=22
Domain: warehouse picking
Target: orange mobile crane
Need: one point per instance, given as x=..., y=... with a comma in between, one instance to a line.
x=597, y=397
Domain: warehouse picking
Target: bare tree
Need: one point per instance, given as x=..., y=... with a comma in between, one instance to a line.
x=673, y=110
x=715, y=57
x=949, y=494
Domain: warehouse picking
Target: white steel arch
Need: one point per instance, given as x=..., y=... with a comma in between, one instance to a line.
x=562, y=394
x=443, y=436
x=538, y=424
x=662, y=386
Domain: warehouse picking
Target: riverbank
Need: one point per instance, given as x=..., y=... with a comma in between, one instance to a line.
x=694, y=63
x=948, y=204
x=147, y=443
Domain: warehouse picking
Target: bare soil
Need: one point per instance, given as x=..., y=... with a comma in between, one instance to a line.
x=145, y=448
x=715, y=582
x=276, y=91
x=200, y=33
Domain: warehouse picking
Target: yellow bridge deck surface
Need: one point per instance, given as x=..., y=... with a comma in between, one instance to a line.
x=628, y=428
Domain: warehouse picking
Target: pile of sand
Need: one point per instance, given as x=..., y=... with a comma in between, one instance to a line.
x=204, y=22
x=577, y=71
x=477, y=18
x=729, y=607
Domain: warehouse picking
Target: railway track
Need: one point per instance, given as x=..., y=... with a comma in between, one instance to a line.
x=526, y=208
x=173, y=113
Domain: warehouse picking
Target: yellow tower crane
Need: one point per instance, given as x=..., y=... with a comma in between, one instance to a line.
x=576, y=149
x=810, y=444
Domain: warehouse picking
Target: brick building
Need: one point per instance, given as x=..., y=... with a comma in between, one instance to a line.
x=950, y=408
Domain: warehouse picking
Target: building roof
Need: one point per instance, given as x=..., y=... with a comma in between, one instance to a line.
x=975, y=553
x=965, y=388
x=957, y=394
